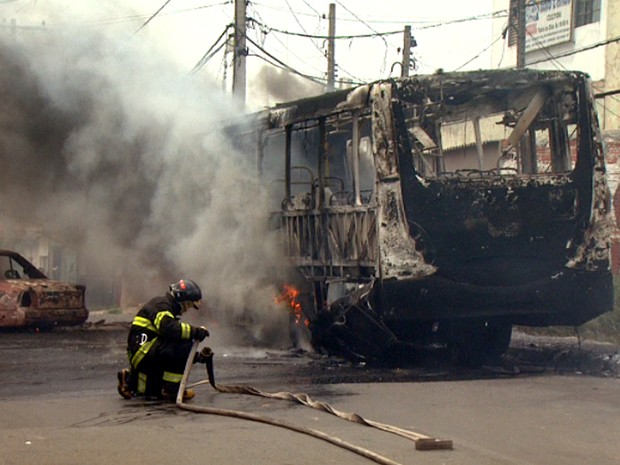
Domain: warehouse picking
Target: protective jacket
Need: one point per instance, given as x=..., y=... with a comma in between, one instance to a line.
x=158, y=346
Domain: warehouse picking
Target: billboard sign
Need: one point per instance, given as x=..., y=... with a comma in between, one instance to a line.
x=547, y=23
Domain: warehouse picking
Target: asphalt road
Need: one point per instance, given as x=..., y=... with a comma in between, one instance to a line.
x=59, y=405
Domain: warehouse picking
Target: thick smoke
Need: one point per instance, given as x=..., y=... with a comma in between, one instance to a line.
x=282, y=86
x=116, y=151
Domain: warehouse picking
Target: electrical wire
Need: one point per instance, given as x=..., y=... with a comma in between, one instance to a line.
x=284, y=65
x=430, y=23
x=612, y=97
x=547, y=52
x=319, y=48
x=373, y=30
x=501, y=58
x=315, y=79
x=356, y=17
x=479, y=53
x=204, y=60
x=153, y=16
x=302, y=26
x=493, y=15
x=280, y=64
x=134, y=17
x=375, y=33
x=212, y=50
x=310, y=36
x=315, y=36
x=310, y=6
x=576, y=51
x=292, y=53
x=251, y=21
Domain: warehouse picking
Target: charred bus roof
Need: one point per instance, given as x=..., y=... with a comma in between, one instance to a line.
x=452, y=89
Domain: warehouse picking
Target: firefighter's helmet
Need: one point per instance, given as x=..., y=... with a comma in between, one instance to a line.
x=185, y=290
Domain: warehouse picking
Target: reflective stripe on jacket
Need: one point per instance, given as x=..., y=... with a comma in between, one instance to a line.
x=159, y=318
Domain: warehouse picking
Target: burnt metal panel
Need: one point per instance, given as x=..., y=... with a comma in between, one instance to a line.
x=398, y=255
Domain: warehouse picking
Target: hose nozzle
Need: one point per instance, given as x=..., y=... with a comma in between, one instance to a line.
x=204, y=356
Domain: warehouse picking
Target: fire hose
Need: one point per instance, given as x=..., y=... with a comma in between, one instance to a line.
x=422, y=442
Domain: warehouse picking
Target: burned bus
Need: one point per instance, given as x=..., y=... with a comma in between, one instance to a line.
x=443, y=208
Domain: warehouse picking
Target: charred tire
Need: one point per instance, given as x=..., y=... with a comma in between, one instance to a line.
x=475, y=342
x=497, y=335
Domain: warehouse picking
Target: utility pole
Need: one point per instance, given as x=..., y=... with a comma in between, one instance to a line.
x=240, y=51
x=520, y=33
x=331, y=49
x=404, y=71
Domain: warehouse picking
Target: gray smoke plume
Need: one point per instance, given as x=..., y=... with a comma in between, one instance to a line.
x=116, y=151
x=282, y=86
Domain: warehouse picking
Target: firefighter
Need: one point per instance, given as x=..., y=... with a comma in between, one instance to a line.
x=159, y=344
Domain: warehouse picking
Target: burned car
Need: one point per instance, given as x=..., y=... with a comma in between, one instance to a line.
x=29, y=299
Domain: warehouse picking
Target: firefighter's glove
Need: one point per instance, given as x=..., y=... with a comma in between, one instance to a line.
x=200, y=333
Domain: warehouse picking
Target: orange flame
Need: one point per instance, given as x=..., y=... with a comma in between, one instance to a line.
x=290, y=295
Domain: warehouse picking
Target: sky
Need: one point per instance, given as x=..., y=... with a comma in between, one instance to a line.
x=450, y=34
x=112, y=143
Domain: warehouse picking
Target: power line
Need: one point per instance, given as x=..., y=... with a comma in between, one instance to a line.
x=547, y=52
x=211, y=52
x=153, y=16
x=479, y=53
x=268, y=29
x=285, y=66
x=119, y=19
x=282, y=65
x=356, y=17
x=608, y=94
x=134, y=17
x=493, y=15
x=314, y=36
x=286, y=47
x=504, y=30
x=309, y=6
x=579, y=50
x=314, y=79
x=430, y=23
x=373, y=30
x=302, y=26
x=312, y=39
x=203, y=61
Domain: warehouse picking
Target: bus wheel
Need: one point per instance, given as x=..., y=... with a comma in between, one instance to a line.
x=496, y=338
x=475, y=342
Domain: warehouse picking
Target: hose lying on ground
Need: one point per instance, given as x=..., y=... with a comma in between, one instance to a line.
x=422, y=442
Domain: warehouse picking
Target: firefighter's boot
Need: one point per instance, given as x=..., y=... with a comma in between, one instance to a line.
x=123, y=383
x=171, y=395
